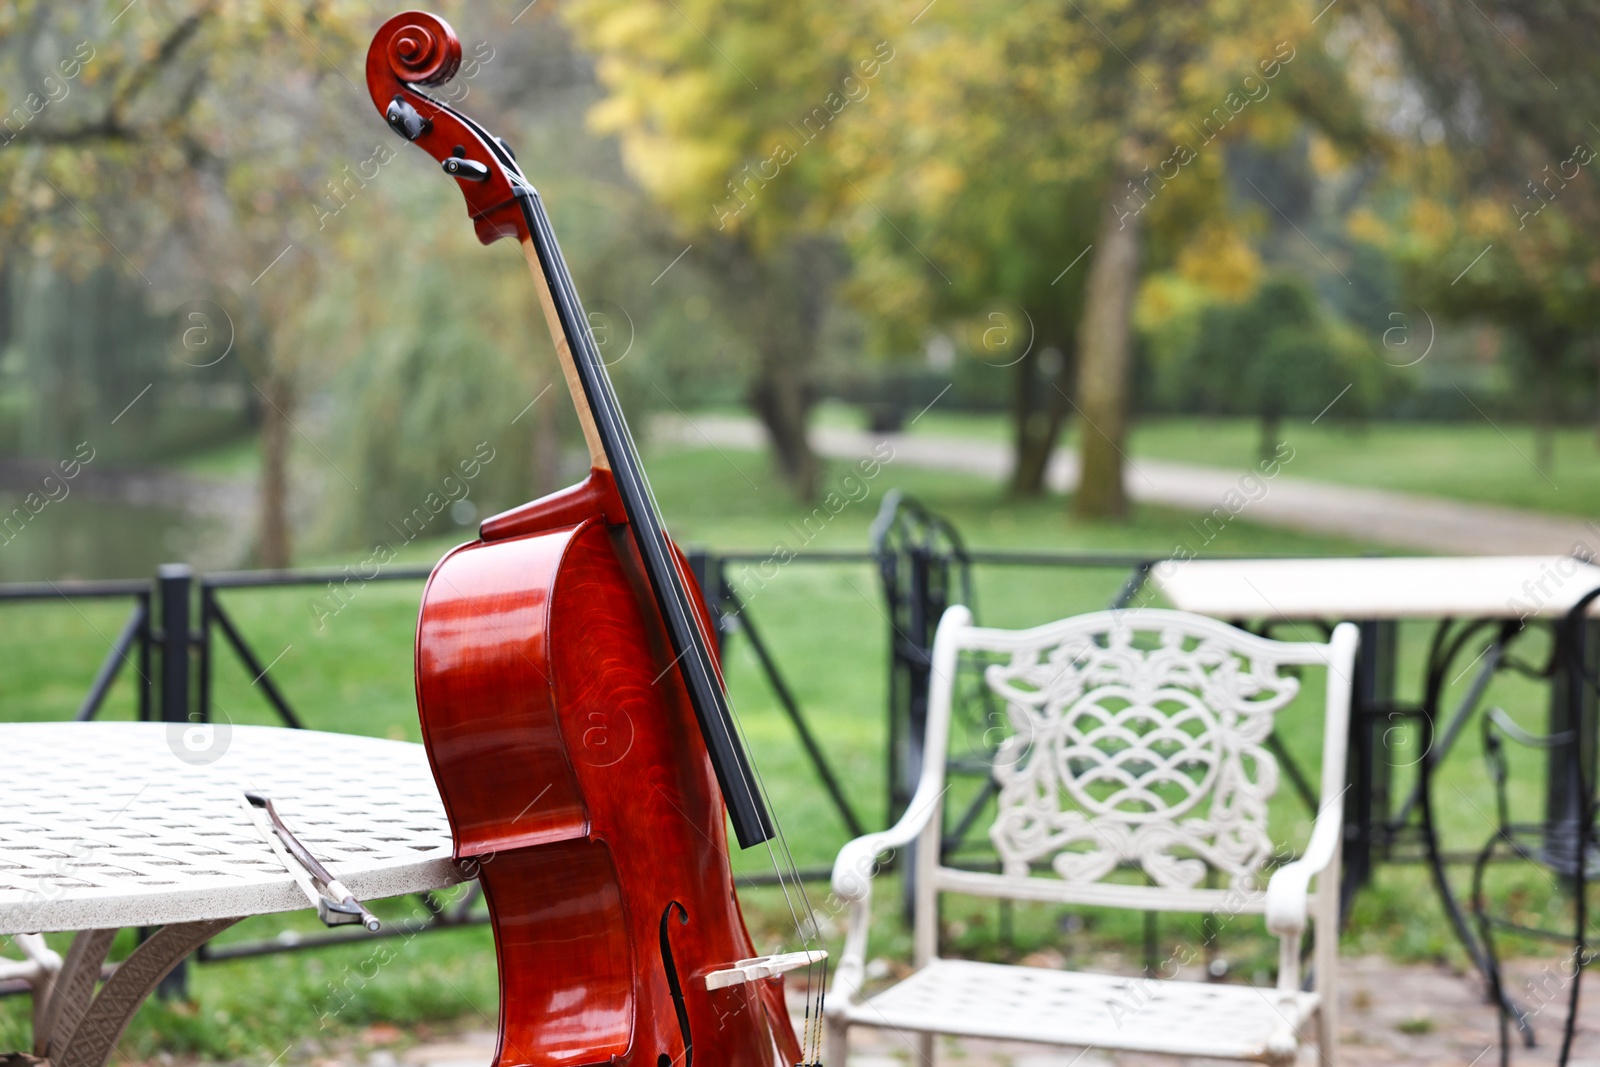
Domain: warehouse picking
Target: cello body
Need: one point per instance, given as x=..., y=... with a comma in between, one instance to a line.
x=572, y=705
x=569, y=762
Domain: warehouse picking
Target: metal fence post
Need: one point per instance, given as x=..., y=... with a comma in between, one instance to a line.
x=1367, y=804
x=147, y=684
x=707, y=573
x=1568, y=772
x=174, y=582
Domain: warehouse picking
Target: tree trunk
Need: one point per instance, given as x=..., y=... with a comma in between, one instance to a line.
x=274, y=547
x=1104, y=342
x=1036, y=430
x=1594, y=350
x=1548, y=345
x=1548, y=348
x=1022, y=436
x=1271, y=430
x=796, y=285
x=1544, y=430
x=781, y=398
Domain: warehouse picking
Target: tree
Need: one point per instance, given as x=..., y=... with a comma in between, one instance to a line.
x=1510, y=87
x=1540, y=282
x=724, y=111
x=1506, y=221
x=1029, y=152
x=235, y=136
x=1276, y=354
x=970, y=204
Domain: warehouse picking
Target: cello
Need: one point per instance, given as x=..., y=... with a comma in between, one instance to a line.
x=573, y=709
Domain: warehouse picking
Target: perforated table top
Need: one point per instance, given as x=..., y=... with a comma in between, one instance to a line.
x=1393, y=588
x=122, y=824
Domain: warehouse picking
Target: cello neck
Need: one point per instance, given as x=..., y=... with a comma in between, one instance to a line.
x=598, y=459
x=611, y=448
x=416, y=50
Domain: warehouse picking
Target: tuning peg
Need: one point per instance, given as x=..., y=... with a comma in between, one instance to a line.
x=404, y=119
x=458, y=166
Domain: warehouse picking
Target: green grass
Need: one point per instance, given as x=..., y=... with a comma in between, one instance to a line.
x=1474, y=461
x=1480, y=461
x=237, y=459
x=826, y=628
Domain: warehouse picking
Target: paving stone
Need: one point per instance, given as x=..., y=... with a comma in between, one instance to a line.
x=1391, y=1015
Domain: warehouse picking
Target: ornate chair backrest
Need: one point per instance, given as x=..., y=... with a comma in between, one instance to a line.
x=1135, y=739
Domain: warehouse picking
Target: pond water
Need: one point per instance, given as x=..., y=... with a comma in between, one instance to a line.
x=80, y=537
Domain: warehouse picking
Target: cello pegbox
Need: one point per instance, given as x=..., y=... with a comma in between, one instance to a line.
x=412, y=52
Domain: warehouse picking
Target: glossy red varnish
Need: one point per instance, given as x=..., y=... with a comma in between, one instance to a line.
x=573, y=771
x=561, y=734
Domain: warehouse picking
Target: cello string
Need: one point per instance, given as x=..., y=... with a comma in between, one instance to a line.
x=808, y=929
x=564, y=290
x=760, y=785
x=785, y=869
x=779, y=840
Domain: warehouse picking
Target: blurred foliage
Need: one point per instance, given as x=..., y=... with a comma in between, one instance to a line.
x=1277, y=354
x=191, y=145
x=1491, y=211
x=769, y=204
x=725, y=155
x=342, y=270
x=85, y=357
x=994, y=146
x=964, y=155
x=430, y=386
x=1507, y=87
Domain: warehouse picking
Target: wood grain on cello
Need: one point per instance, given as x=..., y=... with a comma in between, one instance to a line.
x=572, y=704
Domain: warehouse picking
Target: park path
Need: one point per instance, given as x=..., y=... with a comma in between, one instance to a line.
x=1381, y=516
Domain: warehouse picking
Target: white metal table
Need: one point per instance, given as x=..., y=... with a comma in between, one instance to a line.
x=1468, y=596
x=111, y=825
x=1483, y=592
x=1426, y=587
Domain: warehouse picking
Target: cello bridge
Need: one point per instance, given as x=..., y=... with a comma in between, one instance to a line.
x=763, y=967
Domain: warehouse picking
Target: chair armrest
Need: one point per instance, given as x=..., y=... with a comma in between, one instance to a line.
x=857, y=860
x=852, y=885
x=1289, y=888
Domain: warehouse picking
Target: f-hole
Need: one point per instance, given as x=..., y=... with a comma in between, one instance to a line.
x=677, y=987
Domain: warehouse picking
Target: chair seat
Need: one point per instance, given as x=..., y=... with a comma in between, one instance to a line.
x=1092, y=1010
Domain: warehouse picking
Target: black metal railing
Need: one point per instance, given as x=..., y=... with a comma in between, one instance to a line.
x=134, y=637
x=215, y=619
x=922, y=564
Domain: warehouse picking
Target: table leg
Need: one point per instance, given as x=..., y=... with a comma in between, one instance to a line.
x=1572, y=709
x=92, y=1041
x=39, y=968
x=1441, y=659
x=72, y=991
x=1367, y=799
x=1468, y=707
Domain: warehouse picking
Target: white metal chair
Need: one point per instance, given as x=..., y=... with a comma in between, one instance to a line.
x=1136, y=739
